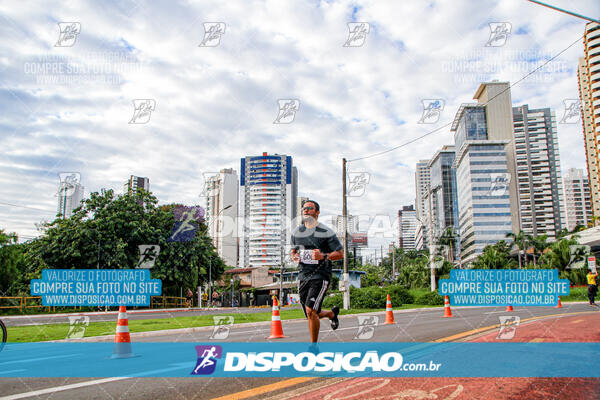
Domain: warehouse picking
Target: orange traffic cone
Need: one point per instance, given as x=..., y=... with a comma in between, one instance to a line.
x=122, y=347
x=447, y=311
x=559, y=303
x=276, y=328
x=389, y=314
x=509, y=308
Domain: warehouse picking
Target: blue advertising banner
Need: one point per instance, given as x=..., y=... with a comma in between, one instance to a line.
x=96, y=287
x=488, y=287
x=222, y=359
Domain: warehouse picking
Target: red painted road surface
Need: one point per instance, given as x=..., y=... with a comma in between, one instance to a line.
x=578, y=328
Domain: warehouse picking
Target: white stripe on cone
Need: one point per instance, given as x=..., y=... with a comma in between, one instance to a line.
x=276, y=318
x=122, y=328
x=122, y=315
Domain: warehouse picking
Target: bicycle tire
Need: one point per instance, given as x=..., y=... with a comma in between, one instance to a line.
x=4, y=334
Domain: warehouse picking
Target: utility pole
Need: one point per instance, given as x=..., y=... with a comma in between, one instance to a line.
x=393, y=261
x=345, y=277
x=431, y=245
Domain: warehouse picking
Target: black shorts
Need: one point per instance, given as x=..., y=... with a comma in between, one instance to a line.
x=312, y=294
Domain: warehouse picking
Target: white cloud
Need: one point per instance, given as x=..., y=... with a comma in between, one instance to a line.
x=216, y=105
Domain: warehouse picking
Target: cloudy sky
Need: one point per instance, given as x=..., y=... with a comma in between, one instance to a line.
x=67, y=103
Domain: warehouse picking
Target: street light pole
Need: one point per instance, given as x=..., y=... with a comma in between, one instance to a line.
x=346, y=277
x=209, y=260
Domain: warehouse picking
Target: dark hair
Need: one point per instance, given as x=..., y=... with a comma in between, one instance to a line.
x=317, y=207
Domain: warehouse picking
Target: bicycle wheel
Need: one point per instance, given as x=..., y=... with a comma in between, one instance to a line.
x=4, y=334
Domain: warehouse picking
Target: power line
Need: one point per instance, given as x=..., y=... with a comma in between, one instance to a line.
x=20, y=206
x=482, y=104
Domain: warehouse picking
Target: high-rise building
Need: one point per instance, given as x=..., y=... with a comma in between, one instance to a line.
x=589, y=95
x=538, y=171
x=221, y=214
x=268, y=195
x=442, y=188
x=407, y=228
x=422, y=179
x=496, y=98
x=576, y=199
x=136, y=182
x=337, y=222
x=299, y=202
x=483, y=178
x=70, y=195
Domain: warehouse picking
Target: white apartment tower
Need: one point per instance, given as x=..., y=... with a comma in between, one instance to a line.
x=407, y=228
x=70, y=195
x=268, y=195
x=221, y=214
x=136, y=182
x=589, y=95
x=576, y=199
x=538, y=171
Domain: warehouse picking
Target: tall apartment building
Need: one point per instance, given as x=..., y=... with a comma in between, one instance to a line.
x=136, y=182
x=221, y=214
x=483, y=177
x=337, y=222
x=422, y=179
x=299, y=203
x=442, y=187
x=268, y=195
x=538, y=171
x=70, y=195
x=576, y=200
x=407, y=228
x=589, y=95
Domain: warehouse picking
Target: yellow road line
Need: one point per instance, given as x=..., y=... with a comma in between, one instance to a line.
x=577, y=321
x=537, y=340
x=264, y=389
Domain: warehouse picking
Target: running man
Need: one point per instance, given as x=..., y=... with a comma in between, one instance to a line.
x=206, y=361
x=314, y=246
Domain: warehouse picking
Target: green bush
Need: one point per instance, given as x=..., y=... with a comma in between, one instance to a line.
x=399, y=295
x=333, y=299
x=430, y=299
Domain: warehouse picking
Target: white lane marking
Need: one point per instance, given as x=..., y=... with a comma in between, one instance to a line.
x=39, y=359
x=61, y=388
x=11, y=371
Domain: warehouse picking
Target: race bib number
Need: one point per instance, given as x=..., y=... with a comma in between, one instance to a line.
x=306, y=257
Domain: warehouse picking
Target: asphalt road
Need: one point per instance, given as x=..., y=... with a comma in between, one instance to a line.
x=42, y=319
x=411, y=325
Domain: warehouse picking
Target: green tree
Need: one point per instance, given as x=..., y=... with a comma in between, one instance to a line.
x=519, y=240
x=496, y=256
x=107, y=230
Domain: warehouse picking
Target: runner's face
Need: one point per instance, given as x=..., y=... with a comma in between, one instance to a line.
x=309, y=211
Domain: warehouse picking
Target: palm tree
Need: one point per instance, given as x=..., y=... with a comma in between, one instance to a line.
x=519, y=240
x=448, y=239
